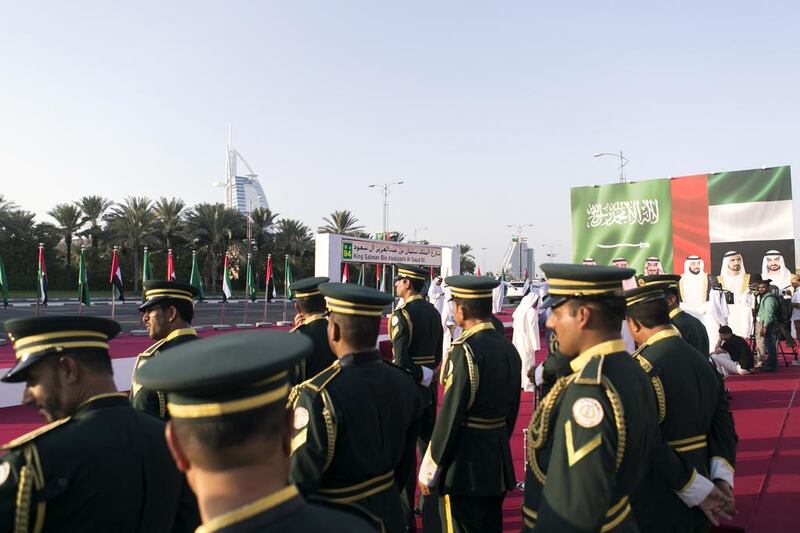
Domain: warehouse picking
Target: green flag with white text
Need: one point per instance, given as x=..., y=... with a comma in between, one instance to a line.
x=251, y=280
x=288, y=280
x=196, y=280
x=83, y=281
x=146, y=275
x=628, y=220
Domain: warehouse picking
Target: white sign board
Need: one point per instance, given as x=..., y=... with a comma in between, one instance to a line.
x=370, y=251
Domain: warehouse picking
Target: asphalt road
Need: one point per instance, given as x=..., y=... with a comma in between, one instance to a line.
x=206, y=313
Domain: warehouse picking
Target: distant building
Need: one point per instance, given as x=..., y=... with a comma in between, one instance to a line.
x=243, y=193
x=517, y=259
x=247, y=194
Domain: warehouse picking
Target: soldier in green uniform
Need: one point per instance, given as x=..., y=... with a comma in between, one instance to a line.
x=589, y=439
x=416, y=333
x=468, y=461
x=696, y=426
x=167, y=313
x=356, y=422
x=99, y=465
x=691, y=328
x=311, y=321
x=230, y=432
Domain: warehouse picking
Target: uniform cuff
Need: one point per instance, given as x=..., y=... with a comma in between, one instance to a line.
x=538, y=375
x=427, y=376
x=696, y=490
x=429, y=470
x=722, y=469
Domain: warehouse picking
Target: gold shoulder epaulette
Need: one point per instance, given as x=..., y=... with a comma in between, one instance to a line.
x=321, y=380
x=592, y=373
x=28, y=437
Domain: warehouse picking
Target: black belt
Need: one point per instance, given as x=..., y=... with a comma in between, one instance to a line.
x=359, y=491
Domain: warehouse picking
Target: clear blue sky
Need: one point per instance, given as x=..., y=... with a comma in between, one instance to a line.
x=489, y=111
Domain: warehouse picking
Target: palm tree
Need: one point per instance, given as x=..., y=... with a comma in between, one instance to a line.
x=134, y=221
x=168, y=219
x=213, y=227
x=341, y=222
x=467, y=260
x=68, y=217
x=263, y=221
x=6, y=206
x=93, y=209
x=293, y=237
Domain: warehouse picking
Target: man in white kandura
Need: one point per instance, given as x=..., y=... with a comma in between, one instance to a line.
x=627, y=284
x=773, y=267
x=526, y=334
x=695, y=288
x=436, y=294
x=733, y=278
x=498, y=296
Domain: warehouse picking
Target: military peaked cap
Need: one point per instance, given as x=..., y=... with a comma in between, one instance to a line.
x=567, y=281
x=307, y=287
x=471, y=287
x=158, y=291
x=412, y=271
x=350, y=299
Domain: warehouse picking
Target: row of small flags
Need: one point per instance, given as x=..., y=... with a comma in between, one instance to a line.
x=195, y=279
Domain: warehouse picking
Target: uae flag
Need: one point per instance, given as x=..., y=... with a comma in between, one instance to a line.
x=83, y=281
x=170, y=266
x=289, y=279
x=478, y=271
x=270, y=284
x=196, y=280
x=42, y=277
x=378, y=276
x=3, y=284
x=345, y=274
x=748, y=211
x=115, y=278
x=226, y=280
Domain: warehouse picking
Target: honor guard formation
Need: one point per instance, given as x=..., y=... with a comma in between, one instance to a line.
x=314, y=430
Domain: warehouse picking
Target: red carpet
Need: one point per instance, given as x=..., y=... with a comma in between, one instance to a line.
x=766, y=408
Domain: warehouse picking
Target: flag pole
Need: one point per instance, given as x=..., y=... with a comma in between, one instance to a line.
x=285, y=287
x=39, y=281
x=266, y=286
x=247, y=286
x=113, y=300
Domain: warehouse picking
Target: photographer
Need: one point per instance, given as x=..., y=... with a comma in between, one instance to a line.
x=767, y=326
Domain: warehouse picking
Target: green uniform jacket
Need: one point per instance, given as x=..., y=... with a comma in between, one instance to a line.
x=315, y=327
x=286, y=511
x=356, y=424
x=692, y=330
x=589, y=443
x=696, y=425
x=105, y=468
x=498, y=325
x=151, y=401
x=416, y=332
x=469, y=446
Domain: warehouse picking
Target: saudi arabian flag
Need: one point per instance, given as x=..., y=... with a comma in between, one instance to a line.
x=226, y=281
x=628, y=220
x=289, y=279
x=251, y=280
x=146, y=274
x=196, y=280
x=83, y=281
x=3, y=284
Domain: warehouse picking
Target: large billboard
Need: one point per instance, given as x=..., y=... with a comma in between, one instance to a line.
x=749, y=211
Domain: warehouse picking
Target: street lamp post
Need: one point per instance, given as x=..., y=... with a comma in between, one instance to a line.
x=384, y=188
x=417, y=230
x=622, y=162
x=484, y=260
x=519, y=228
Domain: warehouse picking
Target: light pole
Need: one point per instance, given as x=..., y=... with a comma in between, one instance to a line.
x=622, y=162
x=484, y=260
x=519, y=228
x=415, y=232
x=384, y=188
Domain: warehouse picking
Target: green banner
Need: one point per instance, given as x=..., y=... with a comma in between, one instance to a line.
x=630, y=220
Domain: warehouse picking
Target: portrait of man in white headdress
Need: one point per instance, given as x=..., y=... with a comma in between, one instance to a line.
x=652, y=266
x=589, y=261
x=694, y=283
x=773, y=267
x=734, y=278
x=621, y=262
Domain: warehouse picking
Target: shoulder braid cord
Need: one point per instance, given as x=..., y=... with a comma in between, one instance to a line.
x=474, y=375
x=329, y=414
x=658, y=385
x=410, y=325
x=30, y=477
x=540, y=423
x=162, y=404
